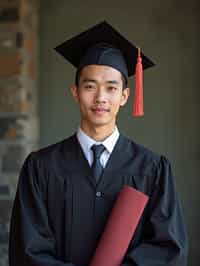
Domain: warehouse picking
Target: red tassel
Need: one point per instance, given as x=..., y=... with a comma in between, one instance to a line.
x=138, y=95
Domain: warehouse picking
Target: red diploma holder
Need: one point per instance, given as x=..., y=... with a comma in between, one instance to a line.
x=120, y=227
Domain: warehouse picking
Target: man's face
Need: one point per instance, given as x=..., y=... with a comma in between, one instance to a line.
x=99, y=94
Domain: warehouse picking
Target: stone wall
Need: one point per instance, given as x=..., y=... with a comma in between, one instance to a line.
x=18, y=100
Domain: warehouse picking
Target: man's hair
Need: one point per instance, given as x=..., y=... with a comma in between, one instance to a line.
x=78, y=74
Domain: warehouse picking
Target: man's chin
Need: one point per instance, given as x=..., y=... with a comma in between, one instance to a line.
x=100, y=122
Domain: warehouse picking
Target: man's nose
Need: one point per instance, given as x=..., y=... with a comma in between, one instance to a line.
x=100, y=96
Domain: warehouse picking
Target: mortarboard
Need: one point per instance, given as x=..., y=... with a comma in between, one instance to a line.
x=103, y=45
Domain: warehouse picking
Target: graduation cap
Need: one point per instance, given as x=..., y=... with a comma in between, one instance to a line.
x=103, y=45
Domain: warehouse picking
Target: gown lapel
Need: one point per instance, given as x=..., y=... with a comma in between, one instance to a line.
x=114, y=163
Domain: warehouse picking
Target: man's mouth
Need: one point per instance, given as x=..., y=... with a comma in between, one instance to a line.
x=100, y=110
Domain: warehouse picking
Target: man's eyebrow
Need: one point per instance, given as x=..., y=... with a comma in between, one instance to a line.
x=112, y=82
x=89, y=80
x=95, y=81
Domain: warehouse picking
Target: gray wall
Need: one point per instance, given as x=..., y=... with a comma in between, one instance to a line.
x=168, y=31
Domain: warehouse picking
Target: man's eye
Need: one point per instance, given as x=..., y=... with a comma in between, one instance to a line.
x=89, y=86
x=111, y=88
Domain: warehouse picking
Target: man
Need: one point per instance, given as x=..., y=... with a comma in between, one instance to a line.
x=67, y=190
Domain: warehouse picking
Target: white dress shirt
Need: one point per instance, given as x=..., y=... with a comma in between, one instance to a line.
x=87, y=142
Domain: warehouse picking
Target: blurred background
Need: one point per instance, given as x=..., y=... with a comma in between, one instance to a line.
x=36, y=108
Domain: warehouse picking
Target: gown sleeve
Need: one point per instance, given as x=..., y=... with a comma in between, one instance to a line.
x=164, y=239
x=31, y=240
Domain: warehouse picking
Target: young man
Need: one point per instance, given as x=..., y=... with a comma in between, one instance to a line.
x=66, y=191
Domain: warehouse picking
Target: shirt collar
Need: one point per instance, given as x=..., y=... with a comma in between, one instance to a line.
x=86, y=142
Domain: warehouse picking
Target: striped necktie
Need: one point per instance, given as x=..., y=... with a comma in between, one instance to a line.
x=97, y=168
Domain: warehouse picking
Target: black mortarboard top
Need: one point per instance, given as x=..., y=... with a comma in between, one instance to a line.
x=103, y=45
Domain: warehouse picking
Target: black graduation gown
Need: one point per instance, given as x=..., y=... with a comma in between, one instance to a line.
x=59, y=213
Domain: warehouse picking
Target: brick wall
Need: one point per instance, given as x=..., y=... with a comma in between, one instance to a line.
x=18, y=100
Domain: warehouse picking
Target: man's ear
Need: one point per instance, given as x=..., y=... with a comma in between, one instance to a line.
x=125, y=95
x=74, y=92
